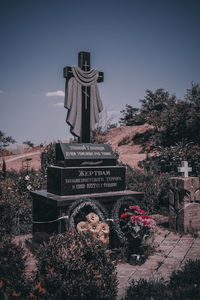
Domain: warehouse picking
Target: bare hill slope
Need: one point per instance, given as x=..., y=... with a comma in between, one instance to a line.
x=129, y=153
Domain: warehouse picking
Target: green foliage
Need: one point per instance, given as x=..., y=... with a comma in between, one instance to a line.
x=5, y=140
x=29, y=143
x=4, y=168
x=111, y=126
x=173, y=120
x=156, y=107
x=148, y=139
x=131, y=116
x=168, y=159
x=16, y=200
x=6, y=221
x=124, y=141
x=146, y=290
x=154, y=186
x=48, y=157
x=12, y=271
x=98, y=135
x=183, y=284
x=75, y=266
x=193, y=124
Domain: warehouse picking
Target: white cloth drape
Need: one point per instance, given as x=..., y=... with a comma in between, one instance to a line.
x=73, y=99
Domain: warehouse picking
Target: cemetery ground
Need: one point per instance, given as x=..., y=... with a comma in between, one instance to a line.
x=171, y=250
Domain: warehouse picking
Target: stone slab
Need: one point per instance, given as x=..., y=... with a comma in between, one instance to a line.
x=65, y=181
x=84, y=154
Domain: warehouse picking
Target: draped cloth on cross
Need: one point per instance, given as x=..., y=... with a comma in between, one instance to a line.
x=73, y=99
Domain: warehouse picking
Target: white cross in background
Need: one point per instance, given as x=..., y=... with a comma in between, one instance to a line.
x=184, y=169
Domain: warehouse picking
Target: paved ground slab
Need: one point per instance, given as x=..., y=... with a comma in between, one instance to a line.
x=171, y=252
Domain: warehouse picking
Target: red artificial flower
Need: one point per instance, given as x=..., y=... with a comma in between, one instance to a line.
x=124, y=216
x=133, y=207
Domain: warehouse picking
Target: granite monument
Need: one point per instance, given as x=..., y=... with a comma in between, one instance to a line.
x=85, y=178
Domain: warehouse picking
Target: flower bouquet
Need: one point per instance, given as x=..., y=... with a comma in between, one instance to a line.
x=137, y=226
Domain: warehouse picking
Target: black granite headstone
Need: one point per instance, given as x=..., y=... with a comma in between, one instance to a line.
x=65, y=181
x=75, y=155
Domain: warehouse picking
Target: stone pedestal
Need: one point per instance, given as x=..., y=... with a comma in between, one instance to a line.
x=84, y=179
x=184, y=204
x=54, y=214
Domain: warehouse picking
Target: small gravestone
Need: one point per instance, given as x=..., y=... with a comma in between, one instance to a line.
x=184, y=201
x=184, y=169
x=85, y=177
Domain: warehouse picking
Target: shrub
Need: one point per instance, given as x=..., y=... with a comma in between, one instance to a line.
x=6, y=221
x=16, y=200
x=48, y=157
x=12, y=270
x=124, y=141
x=154, y=186
x=75, y=266
x=148, y=139
x=131, y=116
x=173, y=119
x=169, y=159
x=98, y=135
x=4, y=168
x=146, y=290
x=185, y=283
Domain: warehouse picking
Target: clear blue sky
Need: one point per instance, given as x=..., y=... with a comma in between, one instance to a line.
x=138, y=45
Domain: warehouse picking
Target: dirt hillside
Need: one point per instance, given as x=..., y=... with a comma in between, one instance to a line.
x=129, y=153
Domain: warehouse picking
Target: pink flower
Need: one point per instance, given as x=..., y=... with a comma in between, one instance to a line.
x=124, y=216
x=133, y=207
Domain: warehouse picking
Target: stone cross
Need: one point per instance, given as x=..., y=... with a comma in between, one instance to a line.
x=84, y=64
x=184, y=169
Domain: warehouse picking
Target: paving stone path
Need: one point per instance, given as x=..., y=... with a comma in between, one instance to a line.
x=171, y=252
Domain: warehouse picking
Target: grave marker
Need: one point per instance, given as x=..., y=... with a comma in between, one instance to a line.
x=85, y=177
x=82, y=97
x=184, y=169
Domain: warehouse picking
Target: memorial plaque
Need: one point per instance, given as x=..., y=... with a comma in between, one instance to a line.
x=75, y=155
x=85, y=180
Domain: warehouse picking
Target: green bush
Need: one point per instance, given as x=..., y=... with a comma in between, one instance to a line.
x=131, y=116
x=154, y=186
x=16, y=200
x=183, y=284
x=173, y=119
x=75, y=266
x=13, y=284
x=4, y=168
x=146, y=290
x=6, y=221
x=168, y=159
x=124, y=141
x=48, y=157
